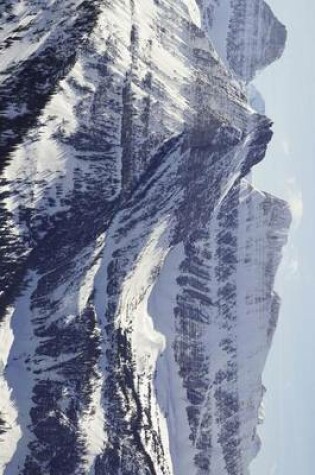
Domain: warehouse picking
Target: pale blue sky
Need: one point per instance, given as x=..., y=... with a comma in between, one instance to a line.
x=288, y=170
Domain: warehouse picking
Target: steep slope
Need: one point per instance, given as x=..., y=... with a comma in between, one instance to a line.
x=246, y=34
x=137, y=298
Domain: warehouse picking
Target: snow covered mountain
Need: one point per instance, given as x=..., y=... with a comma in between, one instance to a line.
x=137, y=259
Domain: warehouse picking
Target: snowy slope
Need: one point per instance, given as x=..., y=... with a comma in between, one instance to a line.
x=137, y=302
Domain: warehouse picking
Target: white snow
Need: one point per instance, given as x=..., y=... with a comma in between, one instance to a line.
x=8, y=412
x=194, y=12
x=171, y=396
x=20, y=382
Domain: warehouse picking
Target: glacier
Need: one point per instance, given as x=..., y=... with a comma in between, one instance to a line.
x=137, y=301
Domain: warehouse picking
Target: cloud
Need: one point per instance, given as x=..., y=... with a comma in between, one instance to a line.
x=274, y=469
x=295, y=199
x=293, y=195
x=292, y=267
x=286, y=147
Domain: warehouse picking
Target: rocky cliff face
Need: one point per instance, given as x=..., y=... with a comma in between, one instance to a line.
x=137, y=302
x=246, y=34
